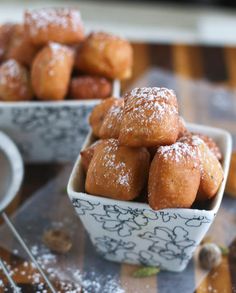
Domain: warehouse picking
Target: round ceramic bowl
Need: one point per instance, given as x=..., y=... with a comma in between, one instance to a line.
x=132, y=232
x=11, y=170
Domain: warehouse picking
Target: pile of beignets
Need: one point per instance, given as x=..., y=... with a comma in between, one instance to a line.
x=144, y=149
x=48, y=57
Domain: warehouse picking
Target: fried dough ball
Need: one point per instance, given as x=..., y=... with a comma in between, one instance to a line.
x=174, y=177
x=115, y=172
x=231, y=181
x=211, y=171
x=5, y=36
x=87, y=154
x=182, y=127
x=51, y=70
x=20, y=47
x=14, y=82
x=110, y=127
x=90, y=87
x=211, y=144
x=106, y=55
x=99, y=112
x=182, y=132
x=150, y=118
x=61, y=25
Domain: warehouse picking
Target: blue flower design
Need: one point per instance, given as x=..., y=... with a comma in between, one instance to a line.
x=166, y=217
x=109, y=247
x=124, y=221
x=170, y=244
x=195, y=221
x=146, y=258
x=82, y=205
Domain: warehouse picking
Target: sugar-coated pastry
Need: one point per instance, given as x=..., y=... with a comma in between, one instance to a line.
x=182, y=132
x=99, y=112
x=231, y=181
x=211, y=144
x=110, y=127
x=87, y=154
x=5, y=36
x=174, y=177
x=211, y=171
x=118, y=172
x=61, y=25
x=20, y=47
x=14, y=82
x=51, y=70
x=150, y=117
x=182, y=127
x=106, y=55
x=90, y=87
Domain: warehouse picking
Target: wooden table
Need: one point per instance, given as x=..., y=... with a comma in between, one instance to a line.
x=214, y=64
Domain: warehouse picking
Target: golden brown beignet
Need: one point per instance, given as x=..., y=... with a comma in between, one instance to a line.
x=231, y=181
x=106, y=55
x=150, y=118
x=90, y=87
x=61, y=25
x=110, y=127
x=20, y=47
x=87, y=154
x=5, y=36
x=182, y=127
x=211, y=171
x=51, y=70
x=99, y=112
x=174, y=177
x=14, y=82
x=117, y=172
x=211, y=145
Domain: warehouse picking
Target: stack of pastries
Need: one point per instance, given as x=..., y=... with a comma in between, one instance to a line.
x=143, y=149
x=48, y=57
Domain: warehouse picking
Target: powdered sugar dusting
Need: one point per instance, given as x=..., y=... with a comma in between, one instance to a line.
x=68, y=279
x=151, y=93
x=64, y=18
x=15, y=77
x=178, y=152
x=10, y=70
x=115, y=115
x=111, y=164
x=147, y=106
x=208, y=161
x=58, y=54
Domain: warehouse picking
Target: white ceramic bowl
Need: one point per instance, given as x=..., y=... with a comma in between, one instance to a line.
x=11, y=170
x=132, y=232
x=48, y=131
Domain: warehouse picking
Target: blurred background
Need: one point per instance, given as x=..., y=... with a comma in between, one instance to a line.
x=188, y=21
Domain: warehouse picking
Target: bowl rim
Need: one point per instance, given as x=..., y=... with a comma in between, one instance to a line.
x=10, y=150
x=225, y=135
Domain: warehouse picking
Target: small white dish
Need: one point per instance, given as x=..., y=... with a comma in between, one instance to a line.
x=11, y=170
x=132, y=232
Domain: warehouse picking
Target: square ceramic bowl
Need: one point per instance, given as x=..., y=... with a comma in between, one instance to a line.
x=132, y=232
x=48, y=131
